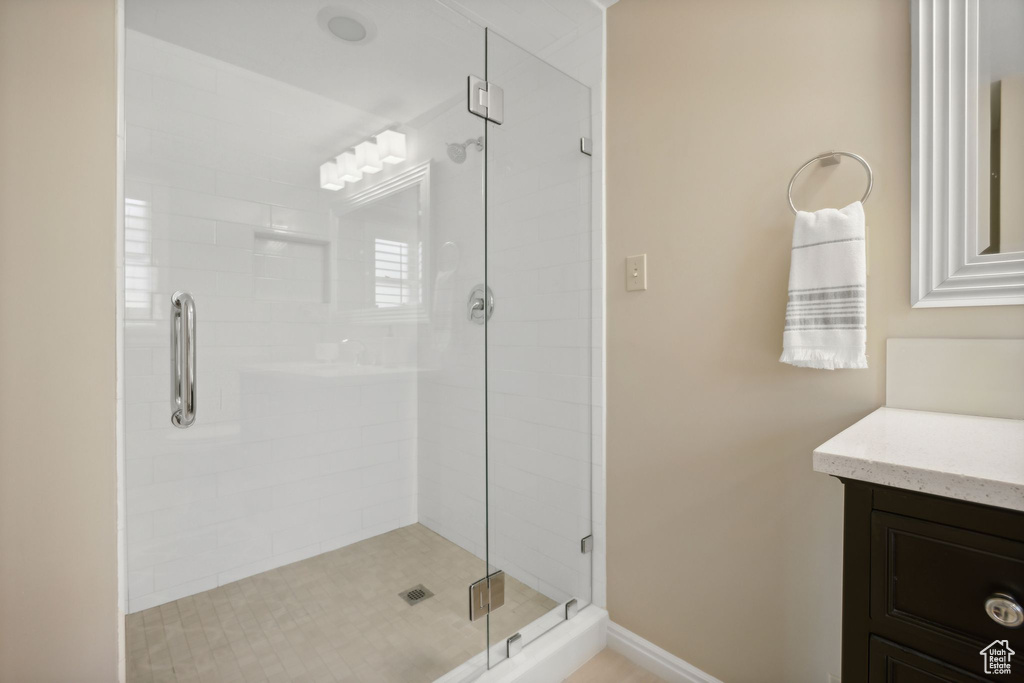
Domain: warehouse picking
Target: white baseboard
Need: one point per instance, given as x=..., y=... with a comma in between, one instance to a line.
x=651, y=657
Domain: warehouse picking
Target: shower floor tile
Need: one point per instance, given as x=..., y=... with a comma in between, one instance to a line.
x=333, y=617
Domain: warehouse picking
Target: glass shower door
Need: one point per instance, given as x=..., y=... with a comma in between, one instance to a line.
x=310, y=175
x=539, y=345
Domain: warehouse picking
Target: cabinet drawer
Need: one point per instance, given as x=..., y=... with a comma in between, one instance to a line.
x=930, y=582
x=891, y=663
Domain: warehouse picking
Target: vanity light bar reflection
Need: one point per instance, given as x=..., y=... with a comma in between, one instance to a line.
x=348, y=168
x=330, y=177
x=366, y=157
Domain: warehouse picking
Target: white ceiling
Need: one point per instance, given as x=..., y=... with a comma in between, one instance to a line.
x=327, y=94
x=421, y=54
x=534, y=25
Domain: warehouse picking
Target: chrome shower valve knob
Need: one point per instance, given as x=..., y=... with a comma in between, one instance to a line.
x=481, y=299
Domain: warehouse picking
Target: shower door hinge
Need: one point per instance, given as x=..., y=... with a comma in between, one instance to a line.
x=514, y=645
x=486, y=595
x=486, y=100
x=587, y=544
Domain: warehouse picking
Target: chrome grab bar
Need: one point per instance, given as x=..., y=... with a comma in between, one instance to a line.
x=183, y=360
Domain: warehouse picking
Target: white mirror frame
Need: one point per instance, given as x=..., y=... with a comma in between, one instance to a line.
x=945, y=267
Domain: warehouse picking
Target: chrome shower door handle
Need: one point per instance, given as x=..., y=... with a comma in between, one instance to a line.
x=183, y=360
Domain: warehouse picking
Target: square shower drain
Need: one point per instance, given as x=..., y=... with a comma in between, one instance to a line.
x=415, y=595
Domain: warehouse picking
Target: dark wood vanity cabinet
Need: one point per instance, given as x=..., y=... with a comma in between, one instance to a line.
x=918, y=571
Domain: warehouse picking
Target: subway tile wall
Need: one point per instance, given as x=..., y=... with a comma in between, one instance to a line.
x=581, y=55
x=307, y=399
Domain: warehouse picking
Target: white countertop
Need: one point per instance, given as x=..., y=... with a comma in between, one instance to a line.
x=977, y=459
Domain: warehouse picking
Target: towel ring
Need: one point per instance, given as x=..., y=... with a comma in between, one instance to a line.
x=830, y=158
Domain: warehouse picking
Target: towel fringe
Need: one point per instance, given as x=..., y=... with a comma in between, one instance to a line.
x=825, y=359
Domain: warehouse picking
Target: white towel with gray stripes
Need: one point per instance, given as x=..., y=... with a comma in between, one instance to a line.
x=826, y=317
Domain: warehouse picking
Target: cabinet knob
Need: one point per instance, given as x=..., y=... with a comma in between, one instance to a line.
x=1004, y=610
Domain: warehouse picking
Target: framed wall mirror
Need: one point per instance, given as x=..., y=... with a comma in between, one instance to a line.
x=967, y=153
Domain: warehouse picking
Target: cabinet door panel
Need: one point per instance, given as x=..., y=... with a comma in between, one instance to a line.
x=935, y=579
x=891, y=663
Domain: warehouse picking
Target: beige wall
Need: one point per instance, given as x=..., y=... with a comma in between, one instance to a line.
x=58, y=557
x=723, y=546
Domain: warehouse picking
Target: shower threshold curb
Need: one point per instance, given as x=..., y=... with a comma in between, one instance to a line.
x=551, y=657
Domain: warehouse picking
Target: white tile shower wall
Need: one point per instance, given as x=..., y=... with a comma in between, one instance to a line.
x=451, y=471
x=582, y=56
x=539, y=346
x=293, y=455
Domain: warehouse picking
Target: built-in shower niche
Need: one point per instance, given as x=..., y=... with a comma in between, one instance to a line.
x=289, y=267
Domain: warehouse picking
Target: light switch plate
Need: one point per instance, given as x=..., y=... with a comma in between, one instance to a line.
x=636, y=273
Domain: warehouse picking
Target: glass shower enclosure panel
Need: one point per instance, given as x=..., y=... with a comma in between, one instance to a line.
x=304, y=215
x=539, y=345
